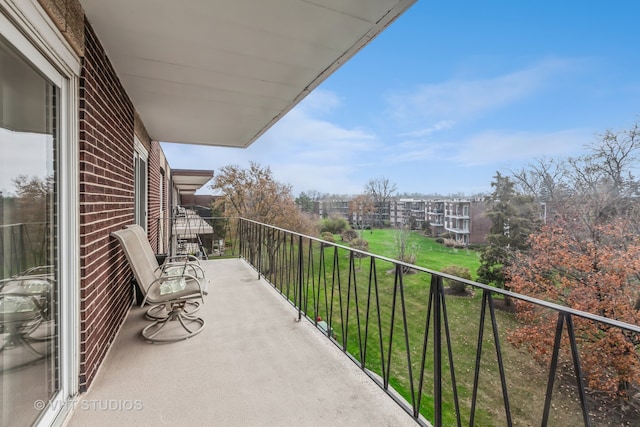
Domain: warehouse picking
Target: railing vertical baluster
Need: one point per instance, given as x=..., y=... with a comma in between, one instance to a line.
x=456, y=402
x=259, y=251
x=300, y=277
x=437, y=351
x=335, y=272
x=476, y=372
x=425, y=341
x=578, y=370
x=378, y=312
x=391, y=328
x=368, y=309
x=311, y=282
x=503, y=378
x=552, y=368
x=342, y=317
x=562, y=317
x=321, y=272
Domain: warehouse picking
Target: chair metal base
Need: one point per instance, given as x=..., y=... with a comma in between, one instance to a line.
x=192, y=325
x=159, y=311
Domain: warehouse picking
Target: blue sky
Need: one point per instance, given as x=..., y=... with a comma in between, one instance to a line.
x=452, y=92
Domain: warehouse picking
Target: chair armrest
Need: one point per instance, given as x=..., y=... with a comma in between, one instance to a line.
x=193, y=268
x=158, y=282
x=182, y=258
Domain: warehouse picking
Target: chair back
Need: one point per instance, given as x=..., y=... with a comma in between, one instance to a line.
x=135, y=251
x=146, y=246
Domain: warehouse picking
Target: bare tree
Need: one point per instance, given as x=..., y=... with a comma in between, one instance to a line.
x=406, y=251
x=253, y=193
x=614, y=155
x=361, y=208
x=544, y=179
x=381, y=190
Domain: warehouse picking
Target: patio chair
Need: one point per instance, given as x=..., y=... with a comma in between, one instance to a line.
x=171, y=266
x=171, y=289
x=25, y=318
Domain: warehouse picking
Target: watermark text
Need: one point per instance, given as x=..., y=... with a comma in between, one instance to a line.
x=103, y=405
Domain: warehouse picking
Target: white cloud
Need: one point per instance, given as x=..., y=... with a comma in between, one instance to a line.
x=302, y=149
x=320, y=102
x=497, y=146
x=455, y=100
x=320, y=177
x=439, y=126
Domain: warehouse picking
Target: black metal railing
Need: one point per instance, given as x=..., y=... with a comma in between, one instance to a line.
x=194, y=232
x=23, y=246
x=447, y=356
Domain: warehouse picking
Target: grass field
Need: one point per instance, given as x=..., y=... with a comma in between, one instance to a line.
x=430, y=254
x=525, y=378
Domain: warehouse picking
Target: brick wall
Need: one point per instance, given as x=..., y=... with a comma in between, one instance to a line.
x=106, y=120
x=480, y=224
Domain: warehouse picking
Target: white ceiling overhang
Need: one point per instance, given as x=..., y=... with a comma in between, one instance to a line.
x=222, y=72
x=187, y=181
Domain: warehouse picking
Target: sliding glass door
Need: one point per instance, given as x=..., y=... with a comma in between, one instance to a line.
x=38, y=225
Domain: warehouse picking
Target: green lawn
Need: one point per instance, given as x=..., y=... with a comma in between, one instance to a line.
x=526, y=379
x=432, y=255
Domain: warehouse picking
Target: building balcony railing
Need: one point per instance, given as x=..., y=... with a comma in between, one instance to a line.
x=23, y=246
x=458, y=230
x=442, y=357
x=458, y=216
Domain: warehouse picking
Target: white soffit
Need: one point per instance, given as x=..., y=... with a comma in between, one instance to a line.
x=223, y=72
x=190, y=180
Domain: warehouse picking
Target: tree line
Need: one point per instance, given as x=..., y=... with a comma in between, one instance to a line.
x=567, y=231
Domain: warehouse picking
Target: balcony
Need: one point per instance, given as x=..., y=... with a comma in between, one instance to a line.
x=254, y=364
x=308, y=332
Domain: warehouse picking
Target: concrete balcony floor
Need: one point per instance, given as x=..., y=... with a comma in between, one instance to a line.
x=252, y=365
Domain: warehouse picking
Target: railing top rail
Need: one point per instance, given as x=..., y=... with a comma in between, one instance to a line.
x=546, y=304
x=21, y=223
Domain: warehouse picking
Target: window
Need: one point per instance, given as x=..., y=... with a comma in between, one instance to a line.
x=140, y=159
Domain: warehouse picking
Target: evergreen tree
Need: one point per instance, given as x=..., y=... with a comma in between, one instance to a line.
x=513, y=218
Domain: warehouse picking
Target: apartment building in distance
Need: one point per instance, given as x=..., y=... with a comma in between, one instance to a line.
x=461, y=219
x=409, y=212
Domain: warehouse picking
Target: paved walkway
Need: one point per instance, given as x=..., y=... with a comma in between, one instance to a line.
x=253, y=365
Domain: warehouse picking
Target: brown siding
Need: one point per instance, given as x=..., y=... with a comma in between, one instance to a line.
x=106, y=204
x=203, y=200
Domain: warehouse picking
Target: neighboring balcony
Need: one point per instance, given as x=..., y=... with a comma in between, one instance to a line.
x=305, y=332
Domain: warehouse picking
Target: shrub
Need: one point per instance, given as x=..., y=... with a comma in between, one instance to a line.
x=450, y=243
x=328, y=237
x=440, y=240
x=360, y=244
x=458, y=271
x=333, y=225
x=349, y=235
